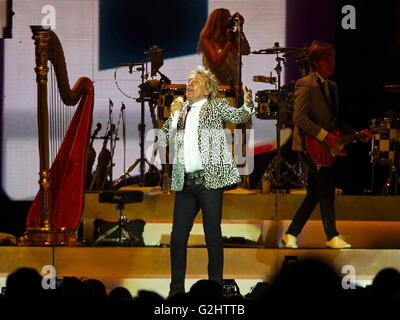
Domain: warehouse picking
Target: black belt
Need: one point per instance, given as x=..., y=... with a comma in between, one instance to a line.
x=195, y=177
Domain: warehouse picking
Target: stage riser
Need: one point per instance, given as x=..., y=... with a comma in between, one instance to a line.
x=367, y=221
x=361, y=234
x=271, y=206
x=240, y=263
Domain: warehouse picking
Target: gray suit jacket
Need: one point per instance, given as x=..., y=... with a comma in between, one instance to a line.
x=218, y=164
x=313, y=110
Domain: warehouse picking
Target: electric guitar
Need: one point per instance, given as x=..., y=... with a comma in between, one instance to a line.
x=324, y=156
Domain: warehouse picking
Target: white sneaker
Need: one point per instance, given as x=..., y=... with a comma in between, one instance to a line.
x=338, y=242
x=289, y=241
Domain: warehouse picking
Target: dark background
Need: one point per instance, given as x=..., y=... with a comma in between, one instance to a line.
x=367, y=59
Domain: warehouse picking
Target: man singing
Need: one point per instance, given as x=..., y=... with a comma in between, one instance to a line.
x=202, y=168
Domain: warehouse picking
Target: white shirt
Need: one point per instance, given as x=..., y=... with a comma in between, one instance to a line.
x=191, y=149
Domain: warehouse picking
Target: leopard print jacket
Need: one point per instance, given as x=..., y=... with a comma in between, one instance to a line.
x=219, y=166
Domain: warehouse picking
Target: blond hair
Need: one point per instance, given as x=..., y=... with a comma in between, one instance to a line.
x=211, y=80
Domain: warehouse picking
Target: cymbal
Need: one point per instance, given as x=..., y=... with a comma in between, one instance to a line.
x=393, y=88
x=274, y=50
x=303, y=60
x=297, y=53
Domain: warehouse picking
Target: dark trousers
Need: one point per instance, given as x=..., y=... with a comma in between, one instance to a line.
x=320, y=188
x=187, y=204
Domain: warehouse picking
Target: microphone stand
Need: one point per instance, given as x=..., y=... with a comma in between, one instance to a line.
x=141, y=127
x=239, y=66
x=274, y=169
x=112, y=146
x=239, y=98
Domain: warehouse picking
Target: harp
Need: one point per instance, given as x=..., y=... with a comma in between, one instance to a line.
x=63, y=135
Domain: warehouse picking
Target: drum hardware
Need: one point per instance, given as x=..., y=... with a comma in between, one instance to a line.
x=278, y=104
x=287, y=52
x=302, y=61
x=385, y=151
x=275, y=50
x=291, y=52
x=280, y=171
x=385, y=140
x=148, y=91
x=392, y=179
x=264, y=79
x=141, y=161
x=296, y=53
x=267, y=104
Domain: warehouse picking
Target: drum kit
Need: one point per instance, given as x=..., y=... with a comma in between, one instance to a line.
x=385, y=146
x=277, y=105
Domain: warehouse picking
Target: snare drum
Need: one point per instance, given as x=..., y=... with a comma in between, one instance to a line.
x=385, y=140
x=267, y=107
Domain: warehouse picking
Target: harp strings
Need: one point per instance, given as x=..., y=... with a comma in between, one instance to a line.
x=60, y=116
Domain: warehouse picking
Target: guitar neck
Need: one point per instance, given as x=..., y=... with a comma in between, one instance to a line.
x=350, y=138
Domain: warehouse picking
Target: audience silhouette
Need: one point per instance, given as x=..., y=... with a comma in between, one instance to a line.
x=301, y=280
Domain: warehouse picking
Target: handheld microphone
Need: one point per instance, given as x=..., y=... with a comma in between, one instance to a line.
x=186, y=105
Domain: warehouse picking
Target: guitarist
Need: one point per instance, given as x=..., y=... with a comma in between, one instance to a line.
x=316, y=114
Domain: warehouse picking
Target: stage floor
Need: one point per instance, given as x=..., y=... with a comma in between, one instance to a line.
x=370, y=223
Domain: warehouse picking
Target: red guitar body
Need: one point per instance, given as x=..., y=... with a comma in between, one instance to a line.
x=321, y=154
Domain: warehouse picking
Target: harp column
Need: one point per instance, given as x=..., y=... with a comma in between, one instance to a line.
x=45, y=233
